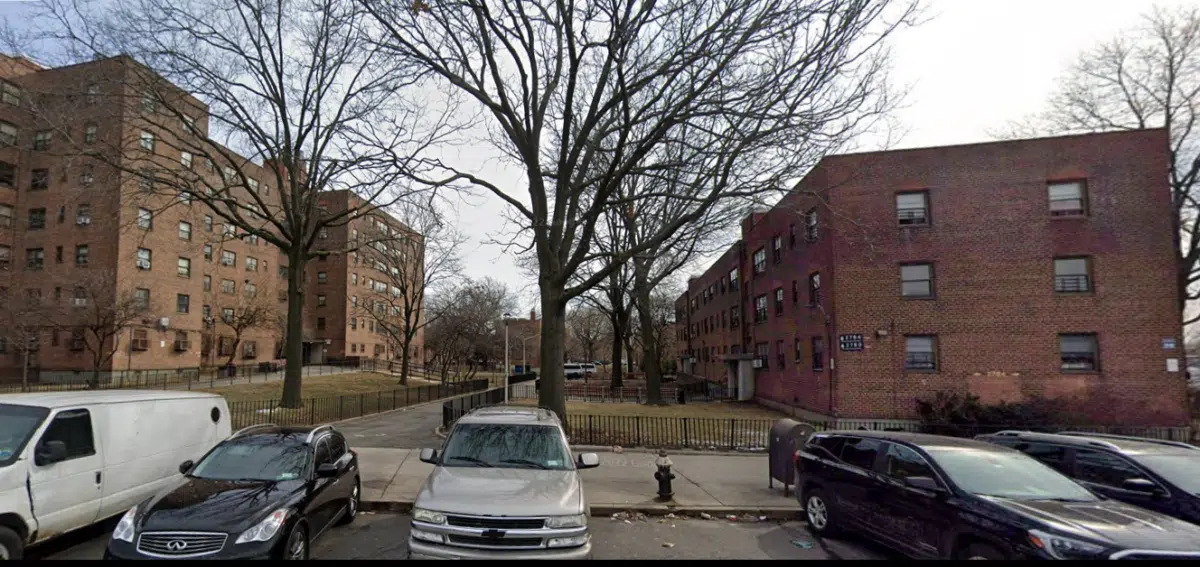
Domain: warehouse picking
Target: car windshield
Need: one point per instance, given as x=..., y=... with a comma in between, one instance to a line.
x=1006, y=474
x=266, y=458
x=17, y=424
x=506, y=445
x=1182, y=470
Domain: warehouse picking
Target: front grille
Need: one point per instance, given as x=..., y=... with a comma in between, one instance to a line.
x=496, y=523
x=180, y=544
x=480, y=541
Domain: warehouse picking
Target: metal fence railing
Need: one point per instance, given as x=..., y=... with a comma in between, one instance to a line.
x=313, y=411
x=603, y=393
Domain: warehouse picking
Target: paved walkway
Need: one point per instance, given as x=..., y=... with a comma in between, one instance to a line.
x=410, y=428
x=714, y=483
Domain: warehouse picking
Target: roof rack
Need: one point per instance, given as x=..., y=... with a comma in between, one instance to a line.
x=1178, y=444
x=312, y=434
x=1036, y=435
x=245, y=430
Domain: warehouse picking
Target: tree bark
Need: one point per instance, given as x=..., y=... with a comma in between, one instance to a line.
x=552, y=393
x=650, y=365
x=404, y=361
x=617, y=369
x=25, y=370
x=294, y=345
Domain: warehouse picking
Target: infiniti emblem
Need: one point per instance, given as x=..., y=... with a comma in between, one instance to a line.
x=176, y=545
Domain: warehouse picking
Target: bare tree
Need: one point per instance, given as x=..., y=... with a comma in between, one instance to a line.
x=239, y=311
x=97, y=314
x=656, y=324
x=22, y=320
x=586, y=325
x=1146, y=77
x=470, y=331
x=583, y=95
x=419, y=258
x=295, y=85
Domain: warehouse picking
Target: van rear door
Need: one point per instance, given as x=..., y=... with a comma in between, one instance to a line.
x=66, y=493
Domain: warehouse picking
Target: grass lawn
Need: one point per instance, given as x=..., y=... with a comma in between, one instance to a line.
x=316, y=386
x=741, y=410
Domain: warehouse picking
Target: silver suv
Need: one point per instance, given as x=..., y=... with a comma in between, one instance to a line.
x=504, y=486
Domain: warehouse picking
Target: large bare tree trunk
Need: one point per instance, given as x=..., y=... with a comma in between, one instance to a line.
x=294, y=346
x=404, y=361
x=650, y=365
x=552, y=394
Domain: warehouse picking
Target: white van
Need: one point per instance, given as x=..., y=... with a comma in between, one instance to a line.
x=71, y=459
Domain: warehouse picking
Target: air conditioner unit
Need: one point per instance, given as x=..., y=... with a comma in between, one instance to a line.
x=182, y=346
x=759, y=363
x=83, y=220
x=143, y=264
x=164, y=322
x=79, y=301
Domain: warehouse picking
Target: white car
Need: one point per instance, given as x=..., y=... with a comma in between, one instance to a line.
x=573, y=371
x=589, y=369
x=72, y=459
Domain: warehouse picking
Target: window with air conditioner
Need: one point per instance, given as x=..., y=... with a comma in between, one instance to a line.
x=81, y=255
x=920, y=352
x=184, y=268
x=228, y=258
x=912, y=208
x=90, y=133
x=181, y=341
x=141, y=340
x=42, y=140
x=1073, y=275
x=6, y=216
x=228, y=287
x=143, y=258
x=1068, y=198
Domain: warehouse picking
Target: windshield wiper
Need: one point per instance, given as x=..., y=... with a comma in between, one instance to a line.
x=479, y=462
x=525, y=462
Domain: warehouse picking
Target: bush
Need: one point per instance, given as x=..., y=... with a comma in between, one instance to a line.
x=963, y=415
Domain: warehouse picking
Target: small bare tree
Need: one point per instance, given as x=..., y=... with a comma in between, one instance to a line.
x=584, y=95
x=1146, y=77
x=239, y=311
x=253, y=108
x=419, y=258
x=470, y=331
x=97, y=314
x=22, y=320
x=586, y=324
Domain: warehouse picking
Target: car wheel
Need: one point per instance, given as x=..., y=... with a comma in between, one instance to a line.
x=11, y=546
x=819, y=513
x=352, y=505
x=297, y=544
x=982, y=552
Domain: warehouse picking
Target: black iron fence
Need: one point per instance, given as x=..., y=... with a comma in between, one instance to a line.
x=336, y=408
x=732, y=434
x=673, y=393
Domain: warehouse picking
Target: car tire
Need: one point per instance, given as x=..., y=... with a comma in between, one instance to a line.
x=296, y=548
x=819, y=513
x=11, y=546
x=982, y=551
x=353, y=504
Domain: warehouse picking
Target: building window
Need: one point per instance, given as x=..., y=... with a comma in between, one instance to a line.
x=208, y=252
x=92, y=93
x=181, y=341
x=146, y=141
x=42, y=139
x=207, y=283
x=229, y=230
x=777, y=249
x=762, y=351
x=791, y=236
x=81, y=255
x=920, y=352
x=1079, y=352
x=5, y=259
x=184, y=268
x=89, y=133
x=6, y=216
x=228, y=258
x=780, y=355
x=87, y=175
x=35, y=258
x=185, y=230
x=1072, y=275
x=37, y=219
x=143, y=258
x=149, y=104
x=8, y=174
x=320, y=323
x=916, y=280
x=795, y=292
x=145, y=219
x=811, y=224
x=760, y=261
x=1068, y=198
x=140, y=341
x=58, y=254
x=779, y=301
x=760, y=309
x=249, y=290
x=228, y=287
x=799, y=351
x=251, y=264
x=249, y=349
x=353, y=323
x=208, y=223
x=322, y=277
x=39, y=179
x=323, y=233
x=10, y=93
x=912, y=208
x=814, y=289
x=189, y=124
x=145, y=180
x=185, y=159
x=8, y=134
x=818, y=354
x=141, y=298
x=734, y=317
x=83, y=215
x=227, y=314
x=183, y=303
x=733, y=279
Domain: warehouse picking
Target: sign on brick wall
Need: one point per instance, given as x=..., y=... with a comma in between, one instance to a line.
x=851, y=343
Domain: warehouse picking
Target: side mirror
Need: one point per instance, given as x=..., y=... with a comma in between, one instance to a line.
x=1141, y=485
x=429, y=456
x=587, y=461
x=185, y=466
x=50, y=452
x=923, y=483
x=327, y=470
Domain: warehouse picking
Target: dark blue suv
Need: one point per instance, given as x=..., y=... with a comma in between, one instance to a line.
x=1163, y=476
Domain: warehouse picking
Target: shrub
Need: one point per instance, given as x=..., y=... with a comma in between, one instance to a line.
x=963, y=415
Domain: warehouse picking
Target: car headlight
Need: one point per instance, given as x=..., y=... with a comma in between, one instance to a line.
x=1061, y=547
x=125, y=527
x=266, y=529
x=558, y=522
x=574, y=541
x=428, y=516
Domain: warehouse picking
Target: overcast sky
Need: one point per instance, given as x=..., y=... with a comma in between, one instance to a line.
x=973, y=66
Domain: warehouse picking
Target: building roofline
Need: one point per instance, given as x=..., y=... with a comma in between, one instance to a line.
x=988, y=143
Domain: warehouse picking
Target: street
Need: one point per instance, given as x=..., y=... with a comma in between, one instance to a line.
x=384, y=536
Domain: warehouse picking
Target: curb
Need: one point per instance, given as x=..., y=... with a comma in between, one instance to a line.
x=608, y=510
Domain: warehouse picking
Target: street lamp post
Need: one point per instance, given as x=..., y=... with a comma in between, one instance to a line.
x=524, y=361
x=507, y=316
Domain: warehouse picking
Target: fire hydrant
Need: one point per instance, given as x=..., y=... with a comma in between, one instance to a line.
x=664, y=476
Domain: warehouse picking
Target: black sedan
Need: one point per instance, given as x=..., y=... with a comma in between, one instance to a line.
x=265, y=493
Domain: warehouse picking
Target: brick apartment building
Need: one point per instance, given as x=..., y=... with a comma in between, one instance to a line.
x=1010, y=270
x=76, y=233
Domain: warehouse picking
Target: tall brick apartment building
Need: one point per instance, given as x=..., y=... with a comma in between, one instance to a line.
x=73, y=236
x=1010, y=270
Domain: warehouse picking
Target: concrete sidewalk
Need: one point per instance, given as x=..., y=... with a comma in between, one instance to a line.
x=713, y=484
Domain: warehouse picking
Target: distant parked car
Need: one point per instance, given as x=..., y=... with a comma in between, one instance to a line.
x=1163, y=476
x=934, y=497
x=265, y=493
x=504, y=486
x=573, y=371
x=589, y=369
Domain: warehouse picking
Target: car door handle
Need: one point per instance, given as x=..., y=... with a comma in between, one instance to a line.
x=97, y=477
